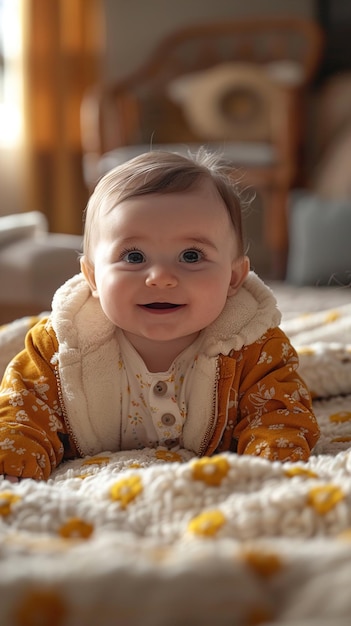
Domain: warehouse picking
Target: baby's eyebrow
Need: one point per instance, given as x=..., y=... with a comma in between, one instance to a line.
x=125, y=241
x=188, y=240
x=200, y=240
x=130, y=238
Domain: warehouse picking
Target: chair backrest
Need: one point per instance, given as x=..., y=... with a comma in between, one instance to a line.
x=146, y=106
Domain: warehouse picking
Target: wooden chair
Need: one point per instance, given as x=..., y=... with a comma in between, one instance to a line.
x=237, y=86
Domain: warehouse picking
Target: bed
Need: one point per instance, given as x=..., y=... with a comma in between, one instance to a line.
x=157, y=538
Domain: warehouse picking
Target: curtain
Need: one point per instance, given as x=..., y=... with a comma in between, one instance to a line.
x=63, y=46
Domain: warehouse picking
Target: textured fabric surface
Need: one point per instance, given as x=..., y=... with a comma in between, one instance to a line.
x=164, y=538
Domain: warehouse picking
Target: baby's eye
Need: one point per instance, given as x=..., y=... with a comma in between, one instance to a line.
x=133, y=256
x=191, y=256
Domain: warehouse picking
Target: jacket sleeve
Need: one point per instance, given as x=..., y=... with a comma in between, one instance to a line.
x=32, y=427
x=276, y=419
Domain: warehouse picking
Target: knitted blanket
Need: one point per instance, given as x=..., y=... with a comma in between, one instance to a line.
x=157, y=538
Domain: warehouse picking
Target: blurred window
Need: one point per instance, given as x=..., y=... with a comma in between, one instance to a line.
x=10, y=72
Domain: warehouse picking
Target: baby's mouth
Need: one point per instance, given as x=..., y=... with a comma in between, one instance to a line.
x=161, y=305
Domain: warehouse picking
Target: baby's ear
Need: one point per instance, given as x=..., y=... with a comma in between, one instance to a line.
x=240, y=270
x=89, y=274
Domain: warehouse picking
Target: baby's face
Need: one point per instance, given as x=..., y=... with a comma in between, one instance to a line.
x=165, y=264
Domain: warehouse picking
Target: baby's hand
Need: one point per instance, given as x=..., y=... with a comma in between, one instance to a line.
x=12, y=479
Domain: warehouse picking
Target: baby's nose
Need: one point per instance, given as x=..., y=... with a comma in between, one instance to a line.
x=161, y=276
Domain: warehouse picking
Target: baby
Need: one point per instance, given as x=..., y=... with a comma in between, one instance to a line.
x=165, y=339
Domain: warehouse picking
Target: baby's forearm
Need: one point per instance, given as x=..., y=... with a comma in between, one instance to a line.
x=28, y=451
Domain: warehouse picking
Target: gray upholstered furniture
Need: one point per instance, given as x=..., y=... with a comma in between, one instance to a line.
x=33, y=264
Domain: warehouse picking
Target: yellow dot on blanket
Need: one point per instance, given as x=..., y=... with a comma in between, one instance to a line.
x=208, y=523
x=40, y=606
x=332, y=316
x=300, y=471
x=7, y=499
x=264, y=564
x=323, y=499
x=169, y=456
x=126, y=490
x=211, y=470
x=76, y=528
x=97, y=460
x=340, y=417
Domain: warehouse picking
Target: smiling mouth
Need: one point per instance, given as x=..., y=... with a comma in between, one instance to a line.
x=161, y=305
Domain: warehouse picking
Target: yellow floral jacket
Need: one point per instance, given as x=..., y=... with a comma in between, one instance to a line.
x=60, y=397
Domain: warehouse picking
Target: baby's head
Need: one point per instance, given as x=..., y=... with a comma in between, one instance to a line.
x=163, y=249
x=161, y=173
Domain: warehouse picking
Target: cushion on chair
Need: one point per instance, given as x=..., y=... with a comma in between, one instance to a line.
x=34, y=267
x=233, y=100
x=225, y=101
x=20, y=225
x=319, y=240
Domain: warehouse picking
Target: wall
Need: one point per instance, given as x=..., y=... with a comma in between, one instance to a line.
x=133, y=27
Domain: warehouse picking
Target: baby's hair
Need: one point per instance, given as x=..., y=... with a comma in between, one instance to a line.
x=162, y=172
